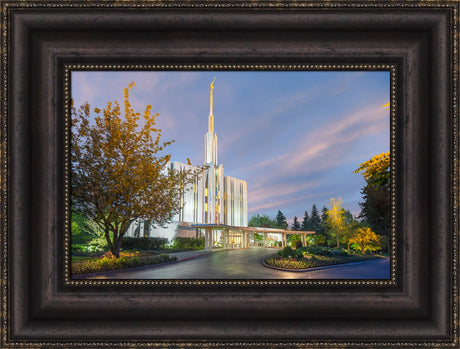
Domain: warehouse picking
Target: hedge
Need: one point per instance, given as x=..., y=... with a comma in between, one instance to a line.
x=154, y=243
x=105, y=264
x=188, y=243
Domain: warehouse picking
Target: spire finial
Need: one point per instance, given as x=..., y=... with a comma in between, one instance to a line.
x=211, y=115
x=210, y=93
x=212, y=84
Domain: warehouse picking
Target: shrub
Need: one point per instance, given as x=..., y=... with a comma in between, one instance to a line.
x=339, y=252
x=82, y=249
x=97, y=244
x=298, y=244
x=151, y=243
x=319, y=251
x=287, y=252
x=188, y=243
x=106, y=263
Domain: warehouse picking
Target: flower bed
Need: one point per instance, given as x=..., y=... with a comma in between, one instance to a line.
x=298, y=260
x=128, y=261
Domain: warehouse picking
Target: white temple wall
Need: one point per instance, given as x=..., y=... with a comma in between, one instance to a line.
x=236, y=202
x=192, y=198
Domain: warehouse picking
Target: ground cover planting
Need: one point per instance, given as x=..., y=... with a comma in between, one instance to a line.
x=311, y=257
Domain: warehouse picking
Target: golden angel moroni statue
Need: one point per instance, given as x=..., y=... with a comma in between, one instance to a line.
x=212, y=84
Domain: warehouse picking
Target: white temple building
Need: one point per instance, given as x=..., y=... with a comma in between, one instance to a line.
x=214, y=204
x=212, y=199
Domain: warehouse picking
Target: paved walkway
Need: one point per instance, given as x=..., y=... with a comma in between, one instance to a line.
x=183, y=256
x=244, y=264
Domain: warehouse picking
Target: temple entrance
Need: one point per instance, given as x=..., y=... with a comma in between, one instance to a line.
x=228, y=237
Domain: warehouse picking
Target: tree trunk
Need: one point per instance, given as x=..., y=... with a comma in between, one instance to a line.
x=338, y=245
x=109, y=242
x=116, y=248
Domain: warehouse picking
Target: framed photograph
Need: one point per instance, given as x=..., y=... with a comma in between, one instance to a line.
x=284, y=148
x=210, y=174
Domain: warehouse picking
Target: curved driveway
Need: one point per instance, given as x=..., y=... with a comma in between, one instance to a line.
x=246, y=264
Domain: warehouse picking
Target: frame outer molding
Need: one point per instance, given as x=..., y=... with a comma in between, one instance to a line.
x=418, y=309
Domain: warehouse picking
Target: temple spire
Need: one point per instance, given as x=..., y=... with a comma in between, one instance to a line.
x=211, y=115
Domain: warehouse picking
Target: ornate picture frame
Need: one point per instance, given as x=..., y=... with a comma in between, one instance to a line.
x=42, y=306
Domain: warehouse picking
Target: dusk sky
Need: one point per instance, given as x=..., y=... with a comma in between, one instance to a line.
x=295, y=137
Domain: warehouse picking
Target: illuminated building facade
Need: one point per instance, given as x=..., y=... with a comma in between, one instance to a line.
x=212, y=199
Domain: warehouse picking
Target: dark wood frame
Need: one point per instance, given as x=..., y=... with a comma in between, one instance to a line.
x=39, y=308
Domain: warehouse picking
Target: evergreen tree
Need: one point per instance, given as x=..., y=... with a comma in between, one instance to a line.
x=305, y=222
x=349, y=219
x=376, y=208
x=315, y=220
x=295, y=225
x=281, y=220
x=324, y=227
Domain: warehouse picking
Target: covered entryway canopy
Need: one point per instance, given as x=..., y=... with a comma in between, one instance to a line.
x=243, y=235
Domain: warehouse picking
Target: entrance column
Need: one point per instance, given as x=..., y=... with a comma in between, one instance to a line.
x=208, y=239
x=284, y=240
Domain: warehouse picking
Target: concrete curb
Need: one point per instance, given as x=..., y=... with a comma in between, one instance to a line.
x=316, y=268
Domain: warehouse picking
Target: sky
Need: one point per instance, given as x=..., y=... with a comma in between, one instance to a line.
x=295, y=137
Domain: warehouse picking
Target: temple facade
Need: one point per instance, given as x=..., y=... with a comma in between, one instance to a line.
x=213, y=198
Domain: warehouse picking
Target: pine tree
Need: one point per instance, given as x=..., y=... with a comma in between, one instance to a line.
x=305, y=222
x=315, y=220
x=281, y=220
x=295, y=225
x=324, y=227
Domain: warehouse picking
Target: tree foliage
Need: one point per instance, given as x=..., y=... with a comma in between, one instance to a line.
x=281, y=220
x=324, y=223
x=295, y=224
x=366, y=240
x=315, y=220
x=262, y=221
x=376, y=207
x=376, y=171
x=336, y=218
x=305, y=222
x=83, y=229
x=118, y=172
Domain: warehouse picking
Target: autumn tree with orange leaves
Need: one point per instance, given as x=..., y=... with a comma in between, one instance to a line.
x=118, y=172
